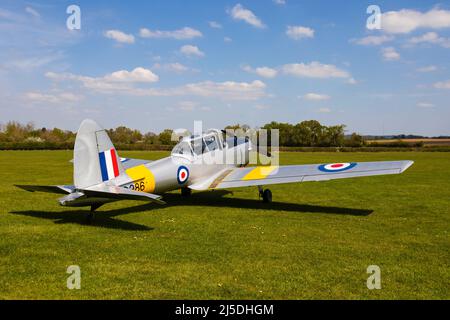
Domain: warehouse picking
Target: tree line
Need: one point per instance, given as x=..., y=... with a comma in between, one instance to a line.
x=14, y=135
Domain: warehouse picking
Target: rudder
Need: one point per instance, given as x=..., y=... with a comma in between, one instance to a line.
x=95, y=158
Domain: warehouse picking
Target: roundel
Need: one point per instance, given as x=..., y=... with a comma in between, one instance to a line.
x=336, y=167
x=182, y=174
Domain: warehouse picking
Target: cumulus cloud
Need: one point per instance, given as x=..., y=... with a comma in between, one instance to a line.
x=121, y=80
x=265, y=72
x=240, y=13
x=190, y=50
x=119, y=36
x=137, y=75
x=431, y=37
x=390, y=54
x=373, y=40
x=316, y=97
x=228, y=90
x=185, y=33
x=406, y=21
x=442, y=85
x=315, y=70
x=227, y=39
x=299, y=32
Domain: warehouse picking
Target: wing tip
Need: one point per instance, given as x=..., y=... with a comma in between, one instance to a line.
x=407, y=164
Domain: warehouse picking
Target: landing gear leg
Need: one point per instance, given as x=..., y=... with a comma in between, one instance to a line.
x=186, y=192
x=90, y=215
x=266, y=194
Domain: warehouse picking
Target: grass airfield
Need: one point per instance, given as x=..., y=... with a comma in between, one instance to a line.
x=315, y=241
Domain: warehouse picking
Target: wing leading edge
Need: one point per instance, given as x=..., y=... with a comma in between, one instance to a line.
x=255, y=176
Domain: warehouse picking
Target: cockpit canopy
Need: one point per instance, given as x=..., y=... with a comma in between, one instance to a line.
x=199, y=144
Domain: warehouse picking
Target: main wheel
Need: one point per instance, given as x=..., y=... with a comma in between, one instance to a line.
x=186, y=192
x=267, y=196
x=89, y=217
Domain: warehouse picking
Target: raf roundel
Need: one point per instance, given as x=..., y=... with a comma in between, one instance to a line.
x=182, y=174
x=337, y=167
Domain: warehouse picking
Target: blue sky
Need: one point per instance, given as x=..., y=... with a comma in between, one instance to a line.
x=153, y=65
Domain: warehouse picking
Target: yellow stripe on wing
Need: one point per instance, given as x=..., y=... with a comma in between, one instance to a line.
x=259, y=173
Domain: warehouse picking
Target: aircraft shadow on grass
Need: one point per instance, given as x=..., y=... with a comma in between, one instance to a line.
x=105, y=219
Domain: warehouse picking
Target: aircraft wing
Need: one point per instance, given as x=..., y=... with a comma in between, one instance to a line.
x=256, y=176
x=119, y=193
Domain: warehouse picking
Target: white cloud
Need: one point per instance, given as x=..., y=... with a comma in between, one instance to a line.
x=280, y=2
x=181, y=34
x=373, y=40
x=240, y=13
x=119, y=81
x=390, y=54
x=137, y=75
x=190, y=50
x=119, y=36
x=227, y=39
x=324, y=110
x=265, y=72
x=431, y=37
x=173, y=67
x=228, y=90
x=315, y=70
x=215, y=25
x=64, y=97
x=299, y=32
x=427, y=69
x=316, y=97
x=33, y=12
x=425, y=105
x=442, y=85
x=406, y=21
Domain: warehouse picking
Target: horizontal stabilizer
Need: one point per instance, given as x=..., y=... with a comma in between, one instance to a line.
x=48, y=189
x=118, y=193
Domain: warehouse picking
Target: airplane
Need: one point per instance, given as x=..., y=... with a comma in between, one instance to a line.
x=100, y=176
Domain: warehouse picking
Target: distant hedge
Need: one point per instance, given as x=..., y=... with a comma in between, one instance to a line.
x=154, y=147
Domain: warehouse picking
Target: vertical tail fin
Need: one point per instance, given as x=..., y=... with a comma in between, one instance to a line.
x=95, y=158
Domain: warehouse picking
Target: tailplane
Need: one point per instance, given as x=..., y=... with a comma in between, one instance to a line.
x=95, y=158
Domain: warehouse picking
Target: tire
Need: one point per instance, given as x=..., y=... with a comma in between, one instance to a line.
x=186, y=192
x=267, y=196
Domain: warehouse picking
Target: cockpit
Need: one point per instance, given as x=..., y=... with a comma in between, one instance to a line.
x=199, y=144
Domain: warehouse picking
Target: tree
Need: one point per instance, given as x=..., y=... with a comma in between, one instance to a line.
x=165, y=137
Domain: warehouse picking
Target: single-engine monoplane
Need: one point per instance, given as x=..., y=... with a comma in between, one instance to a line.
x=100, y=176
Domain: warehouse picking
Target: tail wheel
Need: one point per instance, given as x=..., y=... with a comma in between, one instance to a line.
x=186, y=192
x=267, y=196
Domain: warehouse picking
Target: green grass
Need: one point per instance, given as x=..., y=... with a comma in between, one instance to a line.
x=315, y=241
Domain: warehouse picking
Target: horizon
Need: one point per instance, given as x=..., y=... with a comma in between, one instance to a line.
x=161, y=65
